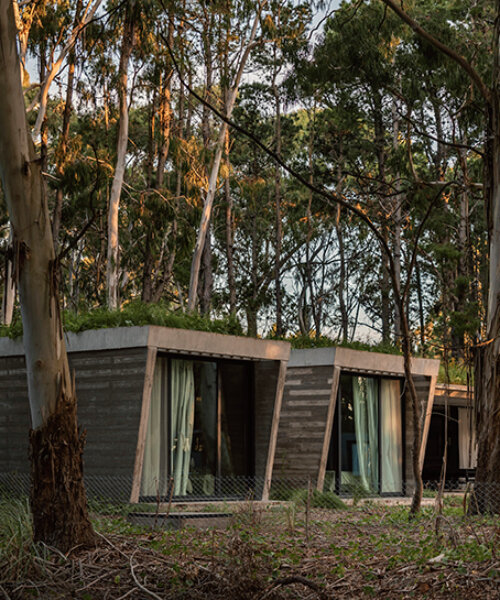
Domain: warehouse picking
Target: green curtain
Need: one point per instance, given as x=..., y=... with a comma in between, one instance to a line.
x=154, y=475
x=372, y=409
x=365, y=401
x=391, y=443
x=182, y=420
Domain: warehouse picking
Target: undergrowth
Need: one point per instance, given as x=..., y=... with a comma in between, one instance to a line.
x=369, y=550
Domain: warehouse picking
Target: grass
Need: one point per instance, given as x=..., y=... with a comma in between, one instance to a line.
x=457, y=373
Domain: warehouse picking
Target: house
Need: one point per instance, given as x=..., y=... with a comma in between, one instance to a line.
x=346, y=423
x=452, y=419
x=168, y=412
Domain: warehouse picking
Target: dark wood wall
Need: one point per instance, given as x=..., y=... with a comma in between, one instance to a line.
x=109, y=387
x=302, y=423
x=15, y=420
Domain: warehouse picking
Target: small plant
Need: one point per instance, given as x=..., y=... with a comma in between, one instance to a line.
x=17, y=550
x=318, y=499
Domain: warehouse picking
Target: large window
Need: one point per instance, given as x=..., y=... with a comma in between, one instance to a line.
x=199, y=440
x=366, y=447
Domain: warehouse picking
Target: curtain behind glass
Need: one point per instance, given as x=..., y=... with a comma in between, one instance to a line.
x=391, y=443
x=372, y=408
x=365, y=400
x=467, y=447
x=182, y=401
x=154, y=466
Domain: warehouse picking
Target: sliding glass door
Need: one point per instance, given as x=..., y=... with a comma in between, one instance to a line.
x=366, y=448
x=200, y=428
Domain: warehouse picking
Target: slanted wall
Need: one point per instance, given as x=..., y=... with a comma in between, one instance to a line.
x=304, y=411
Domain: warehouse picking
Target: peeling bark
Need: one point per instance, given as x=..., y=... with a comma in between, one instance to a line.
x=57, y=494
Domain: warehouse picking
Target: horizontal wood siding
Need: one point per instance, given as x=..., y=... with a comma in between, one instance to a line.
x=109, y=386
x=109, y=390
x=422, y=384
x=15, y=419
x=303, y=421
x=266, y=378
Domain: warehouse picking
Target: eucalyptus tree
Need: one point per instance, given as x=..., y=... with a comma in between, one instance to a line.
x=57, y=492
x=247, y=20
x=130, y=22
x=487, y=381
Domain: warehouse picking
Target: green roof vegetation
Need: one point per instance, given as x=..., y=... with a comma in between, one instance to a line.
x=304, y=341
x=457, y=372
x=133, y=314
x=138, y=313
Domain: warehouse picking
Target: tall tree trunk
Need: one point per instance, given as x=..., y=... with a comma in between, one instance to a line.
x=207, y=277
x=397, y=217
x=231, y=283
x=214, y=172
x=147, y=269
x=277, y=198
x=344, y=317
x=411, y=394
x=421, y=317
x=165, y=112
x=58, y=500
x=251, y=304
x=385, y=284
x=112, y=273
x=487, y=379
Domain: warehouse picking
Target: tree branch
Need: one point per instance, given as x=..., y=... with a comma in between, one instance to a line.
x=458, y=58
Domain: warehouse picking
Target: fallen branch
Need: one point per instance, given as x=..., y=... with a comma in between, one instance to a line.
x=7, y=597
x=139, y=584
x=295, y=579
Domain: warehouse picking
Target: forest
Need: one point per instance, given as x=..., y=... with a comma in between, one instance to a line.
x=318, y=172
x=153, y=197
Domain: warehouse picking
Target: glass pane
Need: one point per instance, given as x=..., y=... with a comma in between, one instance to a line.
x=391, y=436
x=203, y=459
x=236, y=420
x=359, y=435
x=155, y=464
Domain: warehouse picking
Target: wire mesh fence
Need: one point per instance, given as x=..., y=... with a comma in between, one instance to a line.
x=118, y=490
